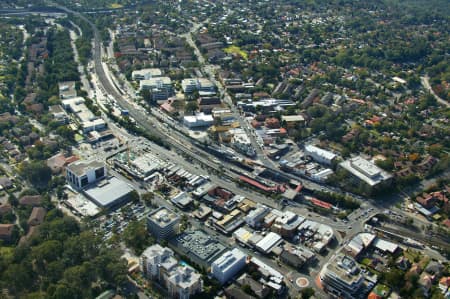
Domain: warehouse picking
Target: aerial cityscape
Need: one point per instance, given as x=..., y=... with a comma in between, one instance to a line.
x=231, y=149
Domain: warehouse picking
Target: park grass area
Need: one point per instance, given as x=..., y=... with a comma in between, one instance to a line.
x=366, y=262
x=78, y=137
x=382, y=290
x=236, y=50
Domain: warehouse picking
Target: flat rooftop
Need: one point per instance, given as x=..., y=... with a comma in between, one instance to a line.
x=345, y=269
x=365, y=170
x=200, y=244
x=162, y=216
x=106, y=192
x=80, y=167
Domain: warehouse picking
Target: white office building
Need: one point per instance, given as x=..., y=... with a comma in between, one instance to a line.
x=162, y=223
x=256, y=216
x=200, y=84
x=366, y=171
x=226, y=266
x=319, y=155
x=146, y=74
x=198, y=120
x=88, y=120
x=82, y=173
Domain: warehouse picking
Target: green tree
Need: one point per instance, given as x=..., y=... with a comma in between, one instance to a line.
x=191, y=107
x=37, y=173
x=136, y=236
x=147, y=198
x=307, y=293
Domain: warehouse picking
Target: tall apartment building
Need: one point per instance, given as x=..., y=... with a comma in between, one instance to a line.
x=342, y=277
x=158, y=264
x=184, y=282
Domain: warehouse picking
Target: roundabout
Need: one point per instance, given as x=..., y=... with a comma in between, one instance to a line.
x=302, y=282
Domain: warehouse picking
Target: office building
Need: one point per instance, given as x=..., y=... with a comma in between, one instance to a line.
x=364, y=171
x=198, y=120
x=146, y=74
x=202, y=85
x=256, y=216
x=200, y=247
x=82, y=173
x=162, y=223
x=319, y=155
x=228, y=265
x=159, y=87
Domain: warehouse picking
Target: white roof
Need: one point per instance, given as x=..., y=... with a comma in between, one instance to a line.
x=150, y=72
x=309, y=148
x=157, y=82
x=289, y=118
x=108, y=191
x=242, y=235
x=384, y=245
x=365, y=170
x=269, y=241
x=199, y=118
x=229, y=259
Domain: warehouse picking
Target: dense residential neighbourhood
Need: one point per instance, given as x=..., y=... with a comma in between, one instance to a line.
x=224, y=149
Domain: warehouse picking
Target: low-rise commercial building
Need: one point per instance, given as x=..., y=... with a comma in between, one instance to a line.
x=366, y=172
x=287, y=224
x=268, y=242
x=145, y=74
x=202, y=85
x=198, y=120
x=109, y=193
x=87, y=120
x=320, y=155
x=228, y=265
x=182, y=200
x=230, y=222
x=296, y=256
